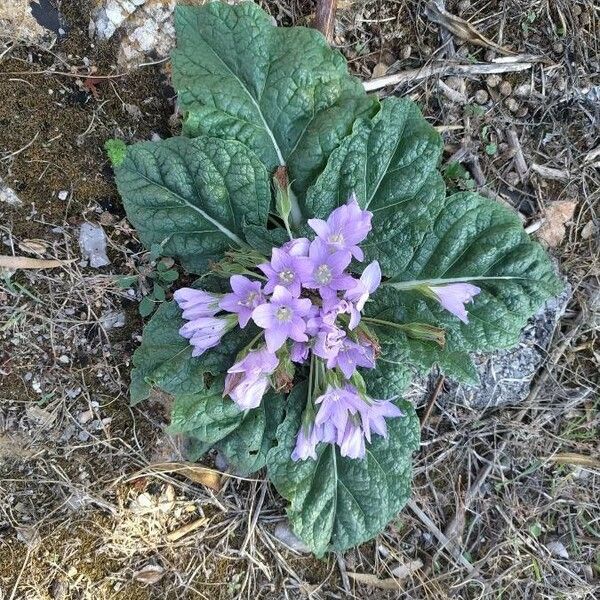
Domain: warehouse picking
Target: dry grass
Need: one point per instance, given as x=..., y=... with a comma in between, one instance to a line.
x=506, y=500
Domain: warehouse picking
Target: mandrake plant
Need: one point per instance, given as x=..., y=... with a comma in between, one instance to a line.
x=331, y=266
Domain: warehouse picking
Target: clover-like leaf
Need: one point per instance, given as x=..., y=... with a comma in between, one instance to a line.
x=194, y=197
x=282, y=91
x=337, y=502
x=390, y=163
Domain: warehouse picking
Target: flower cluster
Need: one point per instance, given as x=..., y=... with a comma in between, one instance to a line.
x=308, y=308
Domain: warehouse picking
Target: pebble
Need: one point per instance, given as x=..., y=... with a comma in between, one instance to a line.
x=63, y=195
x=481, y=96
x=493, y=80
x=406, y=52
x=92, y=241
x=64, y=359
x=559, y=47
x=512, y=105
x=285, y=535
x=505, y=88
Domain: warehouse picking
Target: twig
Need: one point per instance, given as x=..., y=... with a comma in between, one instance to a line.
x=343, y=573
x=444, y=69
x=325, y=17
x=446, y=543
x=430, y=403
x=513, y=141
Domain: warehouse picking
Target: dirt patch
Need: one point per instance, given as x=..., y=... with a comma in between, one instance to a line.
x=75, y=519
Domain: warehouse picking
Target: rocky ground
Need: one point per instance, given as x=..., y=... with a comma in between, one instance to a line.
x=508, y=477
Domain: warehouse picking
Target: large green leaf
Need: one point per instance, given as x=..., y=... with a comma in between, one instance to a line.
x=164, y=358
x=336, y=502
x=193, y=196
x=245, y=437
x=477, y=239
x=390, y=162
x=281, y=91
x=247, y=447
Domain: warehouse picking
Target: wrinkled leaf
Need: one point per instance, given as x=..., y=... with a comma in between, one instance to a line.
x=164, y=358
x=336, y=502
x=193, y=197
x=282, y=91
x=391, y=165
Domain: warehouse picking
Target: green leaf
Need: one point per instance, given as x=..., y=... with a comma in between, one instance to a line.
x=168, y=276
x=390, y=162
x=336, y=502
x=247, y=447
x=245, y=437
x=474, y=239
x=116, y=150
x=164, y=358
x=146, y=306
x=205, y=415
x=282, y=91
x=193, y=196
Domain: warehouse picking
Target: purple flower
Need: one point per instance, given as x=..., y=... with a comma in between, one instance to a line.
x=247, y=380
x=351, y=355
x=282, y=318
x=336, y=404
x=373, y=418
x=326, y=269
x=196, y=303
x=299, y=352
x=285, y=269
x=309, y=435
x=358, y=295
x=352, y=443
x=345, y=227
x=454, y=296
x=246, y=296
x=297, y=247
x=206, y=332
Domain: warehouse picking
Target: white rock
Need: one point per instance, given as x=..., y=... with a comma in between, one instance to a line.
x=8, y=195
x=92, y=241
x=144, y=27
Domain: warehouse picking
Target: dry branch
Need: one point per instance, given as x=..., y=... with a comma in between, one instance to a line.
x=445, y=69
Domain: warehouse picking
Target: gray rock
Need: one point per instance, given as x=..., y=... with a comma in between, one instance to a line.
x=505, y=376
x=112, y=319
x=92, y=241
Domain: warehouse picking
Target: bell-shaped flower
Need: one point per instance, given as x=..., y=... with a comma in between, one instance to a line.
x=346, y=226
x=282, y=318
x=246, y=296
x=454, y=296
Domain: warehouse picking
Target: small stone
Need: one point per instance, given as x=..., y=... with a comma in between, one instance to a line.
x=463, y=51
x=92, y=241
x=63, y=195
x=379, y=70
x=64, y=359
x=512, y=178
x=481, y=96
x=558, y=47
x=112, y=319
x=493, y=80
x=557, y=549
x=406, y=51
x=85, y=417
x=512, y=105
x=523, y=90
x=505, y=88
x=577, y=10
x=8, y=196
x=463, y=7
x=286, y=536
x=585, y=18
x=490, y=55
x=83, y=436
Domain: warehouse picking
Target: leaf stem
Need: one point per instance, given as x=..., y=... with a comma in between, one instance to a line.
x=408, y=285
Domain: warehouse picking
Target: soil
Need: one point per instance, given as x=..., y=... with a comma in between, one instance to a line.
x=80, y=518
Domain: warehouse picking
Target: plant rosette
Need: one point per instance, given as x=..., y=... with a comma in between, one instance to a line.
x=332, y=266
